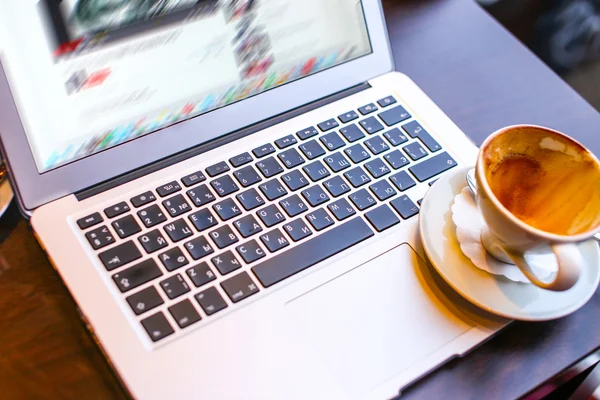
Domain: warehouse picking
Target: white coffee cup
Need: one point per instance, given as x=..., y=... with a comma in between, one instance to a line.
x=539, y=191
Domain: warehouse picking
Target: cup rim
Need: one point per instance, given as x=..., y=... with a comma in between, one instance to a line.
x=482, y=182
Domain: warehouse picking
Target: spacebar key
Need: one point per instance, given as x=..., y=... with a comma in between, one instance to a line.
x=312, y=252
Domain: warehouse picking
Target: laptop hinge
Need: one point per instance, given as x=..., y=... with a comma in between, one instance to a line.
x=221, y=141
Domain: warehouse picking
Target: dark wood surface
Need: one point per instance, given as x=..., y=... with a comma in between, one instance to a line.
x=484, y=79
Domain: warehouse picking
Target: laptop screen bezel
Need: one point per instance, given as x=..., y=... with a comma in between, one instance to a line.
x=35, y=189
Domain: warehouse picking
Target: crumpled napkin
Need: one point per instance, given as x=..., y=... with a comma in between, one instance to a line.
x=469, y=225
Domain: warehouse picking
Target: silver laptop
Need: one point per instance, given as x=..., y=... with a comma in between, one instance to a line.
x=230, y=191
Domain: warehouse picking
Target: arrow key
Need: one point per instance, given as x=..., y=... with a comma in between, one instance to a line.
x=144, y=300
x=239, y=287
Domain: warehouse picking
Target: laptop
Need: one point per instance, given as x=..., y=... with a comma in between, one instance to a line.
x=230, y=192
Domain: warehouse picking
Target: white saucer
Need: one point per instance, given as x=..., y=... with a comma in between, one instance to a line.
x=495, y=294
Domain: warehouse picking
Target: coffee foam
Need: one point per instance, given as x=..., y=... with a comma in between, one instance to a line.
x=545, y=180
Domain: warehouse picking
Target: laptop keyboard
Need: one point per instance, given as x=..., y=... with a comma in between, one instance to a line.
x=198, y=245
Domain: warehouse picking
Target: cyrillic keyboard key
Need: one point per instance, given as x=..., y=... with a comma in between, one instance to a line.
x=176, y=205
x=116, y=210
x=415, y=151
x=405, y=207
x=311, y=149
x=357, y=177
x=294, y=180
x=157, y=327
x=217, y=169
x=395, y=137
x=223, y=236
x=377, y=168
x=240, y=160
x=383, y=190
x=368, y=109
x=193, y=179
x=201, y=195
x=168, y=189
x=178, y=230
x=286, y=142
x=319, y=219
x=100, y=237
x=337, y=162
x=297, y=229
x=402, y=181
x=336, y=186
x=173, y=259
x=184, y=313
x=386, y=101
x=224, y=185
x=291, y=158
x=432, y=166
x=316, y=171
x=143, y=199
x=377, y=145
x=307, y=133
x=394, y=115
x=239, y=287
x=198, y=247
x=247, y=226
x=357, y=153
x=332, y=141
x=250, y=251
x=382, y=218
x=293, y=205
x=247, y=176
x=203, y=219
x=250, y=199
x=263, y=150
x=270, y=215
x=201, y=274
x=315, y=195
x=135, y=276
x=352, y=133
x=274, y=240
x=226, y=263
x=272, y=189
x=269, y=167
x=311, y=252
x=328, y=125
x=119, y=255
x=211, y=301
x=90, y=220
x=396, y=159
x=341, y=209
x=347, y=117
x=152, y=241
x=362, y=199
x=152, y=215
x=175, y=286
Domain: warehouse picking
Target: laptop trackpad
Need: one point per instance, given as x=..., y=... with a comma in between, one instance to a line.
x=376, y=320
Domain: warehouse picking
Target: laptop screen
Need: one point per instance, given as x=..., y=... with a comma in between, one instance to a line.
x=88, y=75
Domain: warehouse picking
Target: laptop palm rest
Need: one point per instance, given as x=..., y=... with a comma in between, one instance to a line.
x=371, y=323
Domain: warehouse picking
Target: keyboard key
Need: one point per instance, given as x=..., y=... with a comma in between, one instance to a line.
x=144, y=300
x=224, y=186
x=362, y=199
x=348, y=116
x=223, y=236
x=336, y=186
x=316, y=171
x=152, y=241
x=386, y=101
x=135, y=276
x=198, y=247
x=312, y=149
x=297, y=229
x=377, y=168
x=116, y=210
x=341, y=209
x=142, y=199
x=193, y=179
x=382, y=218
x=293, y=205
x=357, y=153
x=395, y=137
x=90, y=220
x=332, y=141
x=175, y=286
x=405, y=207
x=394, y=115
x=287, y=141
x=201, y=274
x=319, y=219
x=241, y=159
x=250, y=199
x=371, y=125
x=432, y=166
x=270, y=215
x=250, y=251
x=184, y=313
x=307, y=133
x=247, y=176
x=357, y=177
x=239, y=287
x=157, y=327
x=383, y=190
x=402, y=181
x=294, y=180
x=119, y=255
x=414, y=129
x=264, y=150
x=211, y=301
x=291, y=158
x=176, y=205
x=396, y=159
x=273, y=189
x=178, y=230
x=203, y=219
x=352, y=133
x=376, y=145
x=247, y=226
x=415, y=151
x=311, y=252
x=100, y=237
x=201, y=196
x=337, y=162
x=274, y=240
x=167, y=189
x=269, y=167
x=368, y=109
x=151, y=216
x=173, y=259
x=328, y=125
x=126, y=226
x=226, y=263
x=217, y=169
x=315, y=196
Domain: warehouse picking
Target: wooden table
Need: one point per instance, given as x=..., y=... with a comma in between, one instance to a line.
x=484, y=79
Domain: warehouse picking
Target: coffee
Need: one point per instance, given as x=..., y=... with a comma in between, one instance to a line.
x=545, y=180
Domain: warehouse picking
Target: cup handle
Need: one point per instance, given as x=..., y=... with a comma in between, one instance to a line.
x=569, y=260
